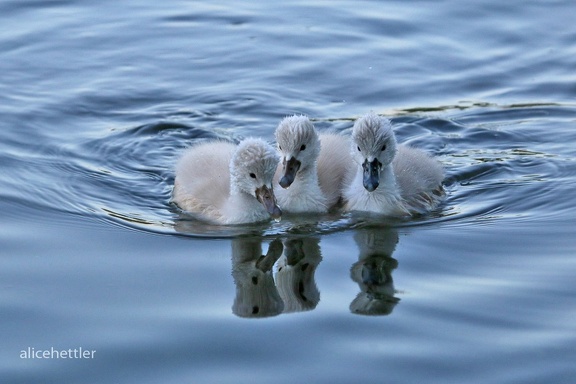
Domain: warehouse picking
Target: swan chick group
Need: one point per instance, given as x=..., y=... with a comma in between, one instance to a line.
x=308, y=172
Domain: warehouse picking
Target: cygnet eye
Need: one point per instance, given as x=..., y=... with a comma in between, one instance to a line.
x=303, y=147
x=279, y=147
x=358, y=149
x=384, y=147
x=252, y=175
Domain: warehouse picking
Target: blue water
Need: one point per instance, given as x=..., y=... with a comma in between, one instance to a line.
x=98, y=99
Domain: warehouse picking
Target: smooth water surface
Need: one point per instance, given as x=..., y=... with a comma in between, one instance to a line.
x=98, y=99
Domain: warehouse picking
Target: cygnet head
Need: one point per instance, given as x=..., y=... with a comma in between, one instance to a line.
x=252, y=169
x=299, y=146
x=373, y=146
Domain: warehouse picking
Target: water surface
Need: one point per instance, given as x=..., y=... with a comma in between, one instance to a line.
x=99, y=99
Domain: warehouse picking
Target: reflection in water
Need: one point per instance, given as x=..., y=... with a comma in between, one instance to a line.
x=293, y=288
x=295, y=276
x=256, y=293
x=373, y=271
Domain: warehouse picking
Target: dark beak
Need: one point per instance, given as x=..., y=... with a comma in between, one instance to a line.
x=291, y=167
x=268, y=200
x=371, y=174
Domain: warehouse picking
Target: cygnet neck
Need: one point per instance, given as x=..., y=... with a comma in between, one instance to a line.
x=308, y=174
x=388, y=180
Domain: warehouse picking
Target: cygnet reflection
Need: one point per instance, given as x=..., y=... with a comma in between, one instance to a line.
x=295, y=274
x=256, y=293
x=373, y=271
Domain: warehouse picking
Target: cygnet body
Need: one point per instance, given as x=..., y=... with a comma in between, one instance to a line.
x=390, y=179
x=228, y=184
x=312, y=166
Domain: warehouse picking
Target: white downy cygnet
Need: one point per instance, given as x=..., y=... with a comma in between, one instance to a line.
x=312, y=167
x=228, y=184
x=390, y=179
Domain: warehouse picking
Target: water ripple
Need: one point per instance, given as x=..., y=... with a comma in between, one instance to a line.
x=494, y=170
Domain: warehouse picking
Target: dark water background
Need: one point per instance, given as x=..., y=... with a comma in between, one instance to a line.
x=98, y=99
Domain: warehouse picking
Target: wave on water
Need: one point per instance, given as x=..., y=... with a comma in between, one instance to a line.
x=500, y=162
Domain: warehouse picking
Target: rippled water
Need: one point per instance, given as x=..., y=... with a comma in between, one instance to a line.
x=99, y=99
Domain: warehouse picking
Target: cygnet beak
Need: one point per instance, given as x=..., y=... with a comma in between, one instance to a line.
x=266, y=262
x=291, y=167
x=371, y=174
x=266, y=196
